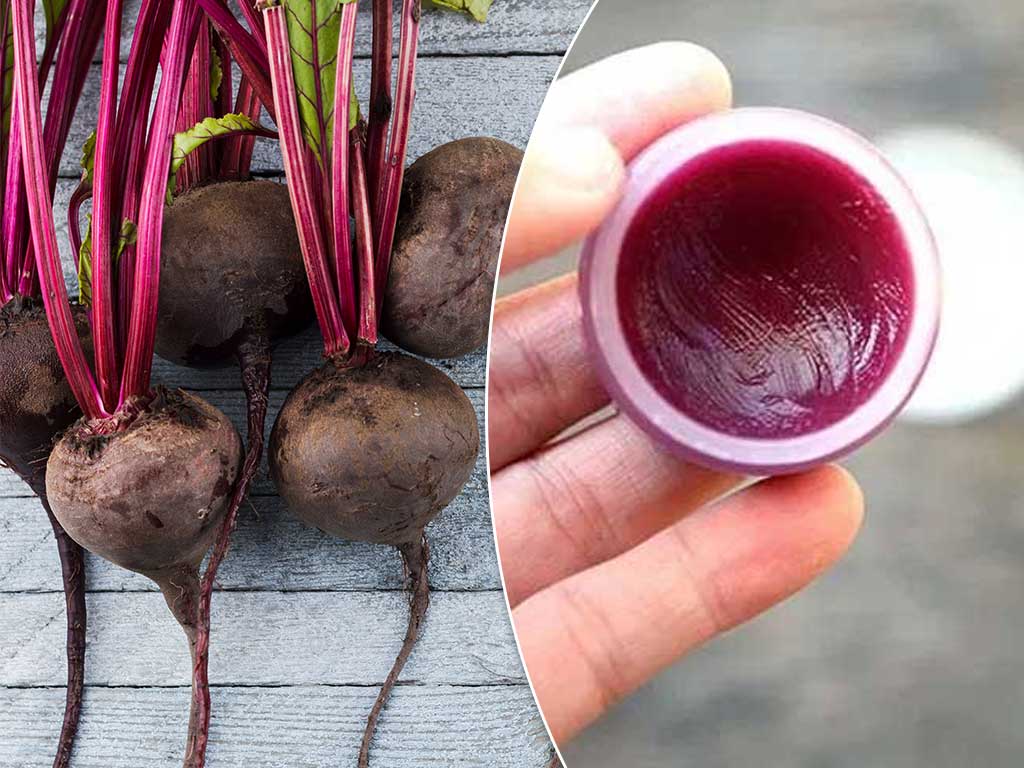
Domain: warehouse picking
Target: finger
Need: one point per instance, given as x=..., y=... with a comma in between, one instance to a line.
x=637, y=96
x=592, y=639
x=592, y=122
x=569, y=182
x=540, y=380
x=589, y=499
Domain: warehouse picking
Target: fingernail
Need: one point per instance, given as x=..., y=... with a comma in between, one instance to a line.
x=576, y=158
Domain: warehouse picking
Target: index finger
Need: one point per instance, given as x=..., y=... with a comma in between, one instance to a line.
x=592, y=123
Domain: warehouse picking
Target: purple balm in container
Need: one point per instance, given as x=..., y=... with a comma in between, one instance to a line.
x=766, y=295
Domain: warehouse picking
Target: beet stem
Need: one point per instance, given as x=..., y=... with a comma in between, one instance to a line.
x=416, y=556
x=380, y=96
x=248, y=49
x=138, y=358
x=390, y=192
x=339, y=164
x=555, y=762
x=300, y=168
x=103, y=222
x=364, y=239
x=72, y=567
x=255, y=362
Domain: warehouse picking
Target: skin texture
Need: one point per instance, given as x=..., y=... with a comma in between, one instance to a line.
x=149, y=498
x=374, y=452
x=619, y=559
x=231, y=266
x=455, y=200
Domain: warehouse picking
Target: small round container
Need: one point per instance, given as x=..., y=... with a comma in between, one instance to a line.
x=765, y=297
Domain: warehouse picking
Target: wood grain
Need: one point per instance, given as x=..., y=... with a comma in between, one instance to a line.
x=276, y=639
x=299, y=727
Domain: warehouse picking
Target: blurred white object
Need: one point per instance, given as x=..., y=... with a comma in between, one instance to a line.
x=972, y=189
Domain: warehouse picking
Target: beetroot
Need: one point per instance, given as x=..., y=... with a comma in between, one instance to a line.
x=451, y=221
x=148, y=496
x=231, y=273
x=373, y=452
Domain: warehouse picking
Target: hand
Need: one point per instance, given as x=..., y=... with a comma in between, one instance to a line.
x=619, y=559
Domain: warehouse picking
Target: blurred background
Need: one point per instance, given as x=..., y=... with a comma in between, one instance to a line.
x=910, y=653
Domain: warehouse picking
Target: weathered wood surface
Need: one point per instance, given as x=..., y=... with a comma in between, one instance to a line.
x=296, y=726
x=305, y=626
x=303, y=638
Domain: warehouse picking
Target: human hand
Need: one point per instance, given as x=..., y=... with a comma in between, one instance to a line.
x=619, y=559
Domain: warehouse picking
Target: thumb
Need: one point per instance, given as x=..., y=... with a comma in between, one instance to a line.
x=571, y=178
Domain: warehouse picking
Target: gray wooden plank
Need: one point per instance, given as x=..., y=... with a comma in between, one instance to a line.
x=310, y=727
x=513, y=26
x=278, y=639
x=232, y=403
x=455, y=97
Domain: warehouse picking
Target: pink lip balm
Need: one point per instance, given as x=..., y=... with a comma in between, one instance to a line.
x=766, y=295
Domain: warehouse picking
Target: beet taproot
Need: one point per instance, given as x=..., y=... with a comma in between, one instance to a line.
x=148, y=497
x=374, y=452
x=455, y=200
x=230, y=268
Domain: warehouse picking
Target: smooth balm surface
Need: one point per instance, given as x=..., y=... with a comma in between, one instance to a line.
x=765, y=289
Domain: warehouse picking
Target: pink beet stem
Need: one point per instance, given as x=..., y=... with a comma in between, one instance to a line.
x=252, y=18
x=105, y=229
x=380, y=96
x=387, y=210
x=140, y=79
x=299, y=165
x=142, y=327
x=364, y=240
x=342, y=230
x=246, y=48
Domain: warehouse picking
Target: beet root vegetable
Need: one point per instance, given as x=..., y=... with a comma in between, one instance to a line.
x=151, y=497
x=373, y=453
x=231, y=271
x=455, y=200
x=232, y=284
x=36, y=405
